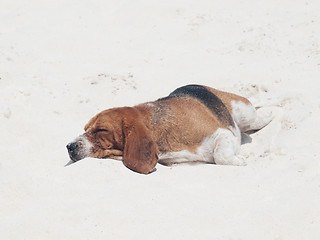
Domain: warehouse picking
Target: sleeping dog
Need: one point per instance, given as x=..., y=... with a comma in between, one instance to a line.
x=193, y=124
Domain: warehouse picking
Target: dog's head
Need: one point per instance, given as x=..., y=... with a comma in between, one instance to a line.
x=117, y=133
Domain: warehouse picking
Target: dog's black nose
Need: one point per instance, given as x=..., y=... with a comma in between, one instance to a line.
x=72, y=146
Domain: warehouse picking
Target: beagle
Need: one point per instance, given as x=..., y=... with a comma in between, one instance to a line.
x=193, y=124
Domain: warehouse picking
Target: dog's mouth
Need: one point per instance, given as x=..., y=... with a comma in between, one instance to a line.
x=75, y=157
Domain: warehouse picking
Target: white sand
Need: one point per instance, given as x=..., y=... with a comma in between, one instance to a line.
x=61, y=62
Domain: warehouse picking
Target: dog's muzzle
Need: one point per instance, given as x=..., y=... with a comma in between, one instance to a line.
x=79, y=149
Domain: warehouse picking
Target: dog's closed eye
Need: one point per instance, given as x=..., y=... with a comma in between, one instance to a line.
x=101, y=131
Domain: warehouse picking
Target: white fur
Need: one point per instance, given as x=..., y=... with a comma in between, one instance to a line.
x=243, y=114
x=247, y=117
x=220, y=148
x=227, y=146
x=86, y=145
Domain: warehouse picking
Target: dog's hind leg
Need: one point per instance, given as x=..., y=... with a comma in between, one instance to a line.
x=248, y=118
x=226, y=148
x=262, y=119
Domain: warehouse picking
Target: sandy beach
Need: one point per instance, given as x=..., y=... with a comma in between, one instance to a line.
x=62, y=62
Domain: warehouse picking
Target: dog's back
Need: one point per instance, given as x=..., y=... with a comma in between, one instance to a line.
x=206, y=97
x=182, y=120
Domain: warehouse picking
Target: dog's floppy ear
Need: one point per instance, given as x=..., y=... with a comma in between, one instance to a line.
x=140, y=151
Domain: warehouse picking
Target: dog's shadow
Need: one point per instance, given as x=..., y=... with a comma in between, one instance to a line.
x=245, y=138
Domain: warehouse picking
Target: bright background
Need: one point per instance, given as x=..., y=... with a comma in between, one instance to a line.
x=61, y=62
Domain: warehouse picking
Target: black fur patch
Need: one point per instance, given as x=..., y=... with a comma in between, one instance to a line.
x=209, y=99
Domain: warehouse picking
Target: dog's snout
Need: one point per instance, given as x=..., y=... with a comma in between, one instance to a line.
x=72, y=146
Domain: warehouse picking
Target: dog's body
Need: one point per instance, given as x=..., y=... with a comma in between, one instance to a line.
x=193, y=124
